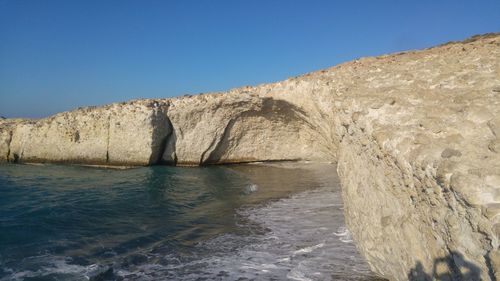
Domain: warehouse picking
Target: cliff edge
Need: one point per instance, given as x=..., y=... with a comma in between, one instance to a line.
x=416, y=136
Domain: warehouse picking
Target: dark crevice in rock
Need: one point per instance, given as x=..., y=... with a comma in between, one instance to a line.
x=212, y=144
x=163, y=130
x=107, y=139
x=451, y=262
x=155, y=160
x=169, y=156
x=15, y=158
x=76, y=136
x=491, y=269
x=222, y=144
x=9, y=141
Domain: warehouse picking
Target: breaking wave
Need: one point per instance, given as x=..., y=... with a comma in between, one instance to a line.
x=244, y=223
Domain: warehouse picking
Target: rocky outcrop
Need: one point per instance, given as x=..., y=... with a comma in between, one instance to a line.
x=416, y=137
x=237, y=127
x=117, y=134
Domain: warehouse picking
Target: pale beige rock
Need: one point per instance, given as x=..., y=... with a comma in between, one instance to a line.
x=415, y=135
x=5, y=138
x=235, y=128
x=137, y=132
x=118, y=134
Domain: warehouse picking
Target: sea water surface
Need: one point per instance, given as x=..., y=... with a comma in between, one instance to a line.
x=242, y=222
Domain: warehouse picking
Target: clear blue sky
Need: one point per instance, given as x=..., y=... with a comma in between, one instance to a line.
x=58, y=55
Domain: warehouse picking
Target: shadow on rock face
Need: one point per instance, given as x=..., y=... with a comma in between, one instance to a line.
x=451, y=267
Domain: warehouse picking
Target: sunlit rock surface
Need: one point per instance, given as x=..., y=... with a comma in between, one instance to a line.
x=131, y=133
x=416, y=136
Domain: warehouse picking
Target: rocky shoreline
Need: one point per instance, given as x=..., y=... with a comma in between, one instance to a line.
x=416, y=136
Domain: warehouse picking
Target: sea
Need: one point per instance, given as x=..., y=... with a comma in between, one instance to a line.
x=281, y=221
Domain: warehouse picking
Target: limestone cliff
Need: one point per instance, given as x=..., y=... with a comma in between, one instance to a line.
x=130, y=133
x=416, y=136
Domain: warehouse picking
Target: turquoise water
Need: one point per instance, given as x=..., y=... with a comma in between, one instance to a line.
x=246, y=222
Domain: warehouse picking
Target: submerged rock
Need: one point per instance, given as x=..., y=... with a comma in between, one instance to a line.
x=415, y=136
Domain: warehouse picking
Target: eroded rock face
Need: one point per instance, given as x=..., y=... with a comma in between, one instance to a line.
x=419, y=175
x=416, y=136
x=236, y=128
x=118, y=134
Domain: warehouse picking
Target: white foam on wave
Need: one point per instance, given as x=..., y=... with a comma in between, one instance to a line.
x=302, y=238
x=47, y=265
x=308, y=249
x=341, y=231
x=344, y=234
x=305, y=239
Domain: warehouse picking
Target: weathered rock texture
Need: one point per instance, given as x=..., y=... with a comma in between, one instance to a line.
x=416, y=136
x=130, y=133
